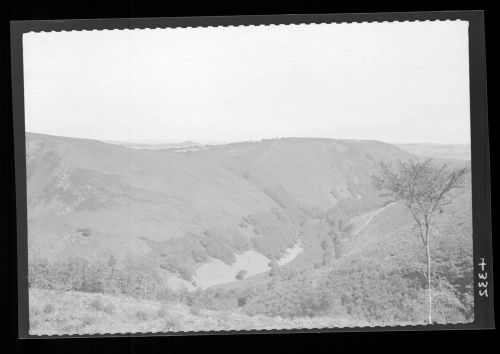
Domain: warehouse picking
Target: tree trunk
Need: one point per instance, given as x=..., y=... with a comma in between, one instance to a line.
x=429, y=280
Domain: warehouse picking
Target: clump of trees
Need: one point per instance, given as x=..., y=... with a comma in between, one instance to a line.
x=365, y=290
x=360, y=289
x=274, y=233
x=327, y=245
x=424, y=189
x=135, y=278
x=274, y=268
x=182, y=255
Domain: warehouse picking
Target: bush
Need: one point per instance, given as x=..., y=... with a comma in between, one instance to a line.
x=213, y=299
x=241, y=274
x=167, y=295
x=86, y=232
x=289, y=295
x=274, y=268
x=360, y=289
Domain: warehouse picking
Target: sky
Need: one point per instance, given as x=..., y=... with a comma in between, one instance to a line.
x=402, y=82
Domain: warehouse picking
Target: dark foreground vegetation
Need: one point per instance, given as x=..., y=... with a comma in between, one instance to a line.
x=363, y=290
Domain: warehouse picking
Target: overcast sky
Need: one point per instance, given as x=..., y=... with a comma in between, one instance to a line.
x=395, y=82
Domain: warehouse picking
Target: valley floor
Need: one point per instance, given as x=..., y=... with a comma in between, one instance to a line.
x=85, y=313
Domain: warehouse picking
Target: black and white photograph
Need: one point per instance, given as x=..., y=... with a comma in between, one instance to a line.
x=257, y=177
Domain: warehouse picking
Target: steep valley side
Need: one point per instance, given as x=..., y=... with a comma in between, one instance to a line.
x=200, y=217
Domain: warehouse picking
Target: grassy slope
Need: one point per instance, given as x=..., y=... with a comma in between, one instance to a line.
x=83, y=313
x=447, y=151
x=390, y=238
x=122, y=195
x=387, y=238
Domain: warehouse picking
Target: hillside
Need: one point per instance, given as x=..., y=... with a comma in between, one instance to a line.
x=444, y=151
x=92, y=199
x=110, y=314
x=278, y=229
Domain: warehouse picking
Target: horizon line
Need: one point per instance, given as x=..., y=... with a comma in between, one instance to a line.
x=225, y=142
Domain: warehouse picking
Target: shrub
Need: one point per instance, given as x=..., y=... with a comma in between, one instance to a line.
x=40, y=273
x=241, y=274
x=167, y=295
x=274, y=268
x=360, y=289
x=86, y=232
x=289, y=295
x=213, y=299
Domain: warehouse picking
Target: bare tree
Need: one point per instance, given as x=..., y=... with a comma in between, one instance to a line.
x=423, y=187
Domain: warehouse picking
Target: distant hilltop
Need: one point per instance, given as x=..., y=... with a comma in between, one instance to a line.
x=446, y=151
x=434, y=150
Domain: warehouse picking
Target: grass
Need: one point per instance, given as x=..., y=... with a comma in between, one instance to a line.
x=49, y=308
x=97, y=304
x=109, y=308
x=84, y=313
